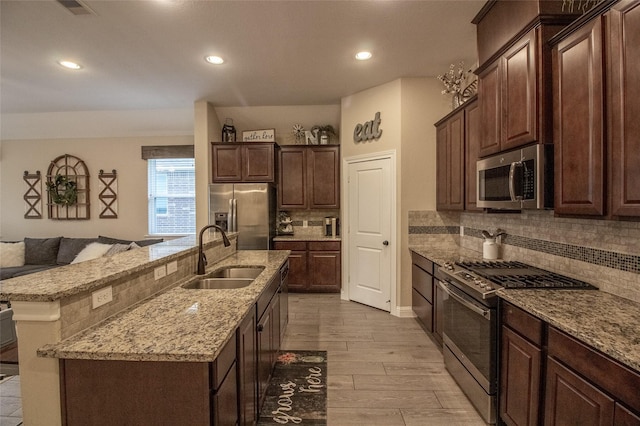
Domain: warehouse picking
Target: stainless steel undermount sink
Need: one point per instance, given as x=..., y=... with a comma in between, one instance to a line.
x=218, y=283
x=236, y=272
x=225, y=279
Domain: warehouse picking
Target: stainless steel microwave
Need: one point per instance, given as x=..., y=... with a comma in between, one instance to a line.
x=516, y=180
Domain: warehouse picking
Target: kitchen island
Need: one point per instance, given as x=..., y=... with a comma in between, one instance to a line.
x=186, y=356
x=52, y=306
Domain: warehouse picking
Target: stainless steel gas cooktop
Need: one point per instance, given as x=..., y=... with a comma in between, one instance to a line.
x=486, y=277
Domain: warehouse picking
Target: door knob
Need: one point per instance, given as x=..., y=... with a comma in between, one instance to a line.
x=385, y=243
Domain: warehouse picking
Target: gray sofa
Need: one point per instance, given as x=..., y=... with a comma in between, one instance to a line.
x=41, y=254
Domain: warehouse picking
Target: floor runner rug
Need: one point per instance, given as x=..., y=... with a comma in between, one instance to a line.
x=297, y=392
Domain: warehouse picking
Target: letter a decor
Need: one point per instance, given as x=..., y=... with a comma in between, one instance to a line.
x=108, y=194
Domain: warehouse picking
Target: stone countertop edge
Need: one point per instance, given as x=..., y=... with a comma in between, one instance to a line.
x=68, y=280
x=305, y=238
x=179, y=325
x=608, y=323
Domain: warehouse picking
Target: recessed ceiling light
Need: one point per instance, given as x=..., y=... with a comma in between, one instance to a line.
x=363, y=56
x=216, y=60
x=70, y=65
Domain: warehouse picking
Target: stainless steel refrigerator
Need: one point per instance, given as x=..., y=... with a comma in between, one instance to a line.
x=246, y=208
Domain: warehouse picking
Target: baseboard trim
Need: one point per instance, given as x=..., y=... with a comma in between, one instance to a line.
x=405, y=312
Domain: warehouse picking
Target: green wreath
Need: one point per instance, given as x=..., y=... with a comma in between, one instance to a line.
x=63, y=191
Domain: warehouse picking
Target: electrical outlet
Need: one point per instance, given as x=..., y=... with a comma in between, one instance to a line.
x=160, y=272
x=305, y=223
x=172, y=267
x=101, y=297
x=462, y=231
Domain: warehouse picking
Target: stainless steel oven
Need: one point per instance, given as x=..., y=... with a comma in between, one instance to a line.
x=470, y=332
x=469, y=347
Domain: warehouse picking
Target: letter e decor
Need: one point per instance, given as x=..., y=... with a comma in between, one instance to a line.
x=368, y=131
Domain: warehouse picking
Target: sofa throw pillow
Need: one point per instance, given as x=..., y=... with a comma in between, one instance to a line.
x=117, y=248
x=70, y=247
x=11, y=254
x=92, y=251
x=141, y=243
x=41, y=251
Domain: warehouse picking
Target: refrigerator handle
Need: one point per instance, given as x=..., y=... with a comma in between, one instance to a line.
x=235, y=215
x=230, y=216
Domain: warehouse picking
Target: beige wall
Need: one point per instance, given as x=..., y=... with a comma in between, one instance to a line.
x=408, y=108
x=422, y=104
x=121, y=154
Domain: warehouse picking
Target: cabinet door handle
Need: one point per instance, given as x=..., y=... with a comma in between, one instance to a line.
x=260, y=328
x=385, y=243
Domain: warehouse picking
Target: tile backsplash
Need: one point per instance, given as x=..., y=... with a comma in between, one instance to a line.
x=604, y=253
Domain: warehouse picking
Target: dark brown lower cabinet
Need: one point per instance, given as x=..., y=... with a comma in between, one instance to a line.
x=520, y=384
x=314, y=266
x=147, y=392
x=572, y=400
x=247, y=370
x=581, y=386
x=426, y=296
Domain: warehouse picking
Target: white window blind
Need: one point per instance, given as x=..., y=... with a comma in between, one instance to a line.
x=172, y=202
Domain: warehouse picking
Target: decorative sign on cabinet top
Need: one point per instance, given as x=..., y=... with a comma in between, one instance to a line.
x=368, y=131
x=263, y=135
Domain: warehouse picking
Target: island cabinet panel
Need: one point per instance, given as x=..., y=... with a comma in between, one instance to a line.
x=579, y=122
x=247, y=370
x=624, y=101
x=243, y=162
x=123, y=392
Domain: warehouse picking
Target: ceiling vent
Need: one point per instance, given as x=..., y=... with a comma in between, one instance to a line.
x=76, y=7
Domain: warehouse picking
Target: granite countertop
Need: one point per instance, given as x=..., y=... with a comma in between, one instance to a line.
x=177, y=325
x=450, y=253
x=604, y=321
x=608, y=323
x=64, y=281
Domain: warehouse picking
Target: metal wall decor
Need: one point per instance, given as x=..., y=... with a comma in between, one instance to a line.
x=68, y=189
x=33, y=195
x=369, y=130
x=108, y=194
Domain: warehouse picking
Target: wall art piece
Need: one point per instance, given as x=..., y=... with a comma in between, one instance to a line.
x=108, y=194
x=33, y=195
x=262, y=135
x=68, y=189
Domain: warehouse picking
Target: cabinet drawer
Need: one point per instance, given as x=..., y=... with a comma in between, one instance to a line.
x=324, y=245
x=224, y=361
x=422, y=262
x=291, y=245
x=522, y=322
x=615, y=378
x=423, y=310
x=422, y=282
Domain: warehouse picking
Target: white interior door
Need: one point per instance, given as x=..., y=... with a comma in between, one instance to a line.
x=370, y=233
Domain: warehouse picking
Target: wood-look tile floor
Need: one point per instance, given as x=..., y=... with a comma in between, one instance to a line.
x=382, y=370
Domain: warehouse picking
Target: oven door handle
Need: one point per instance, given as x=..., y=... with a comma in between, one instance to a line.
x=486, y=313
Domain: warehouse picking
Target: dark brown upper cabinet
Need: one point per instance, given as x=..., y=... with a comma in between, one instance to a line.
x=243, y=162
x=596, y=105
x=578, y=122
x=457, y=146
x=309, y=177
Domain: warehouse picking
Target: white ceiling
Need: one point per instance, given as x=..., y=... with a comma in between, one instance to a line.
x=149, y=54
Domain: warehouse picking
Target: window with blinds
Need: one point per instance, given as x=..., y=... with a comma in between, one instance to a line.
x=172, y=201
